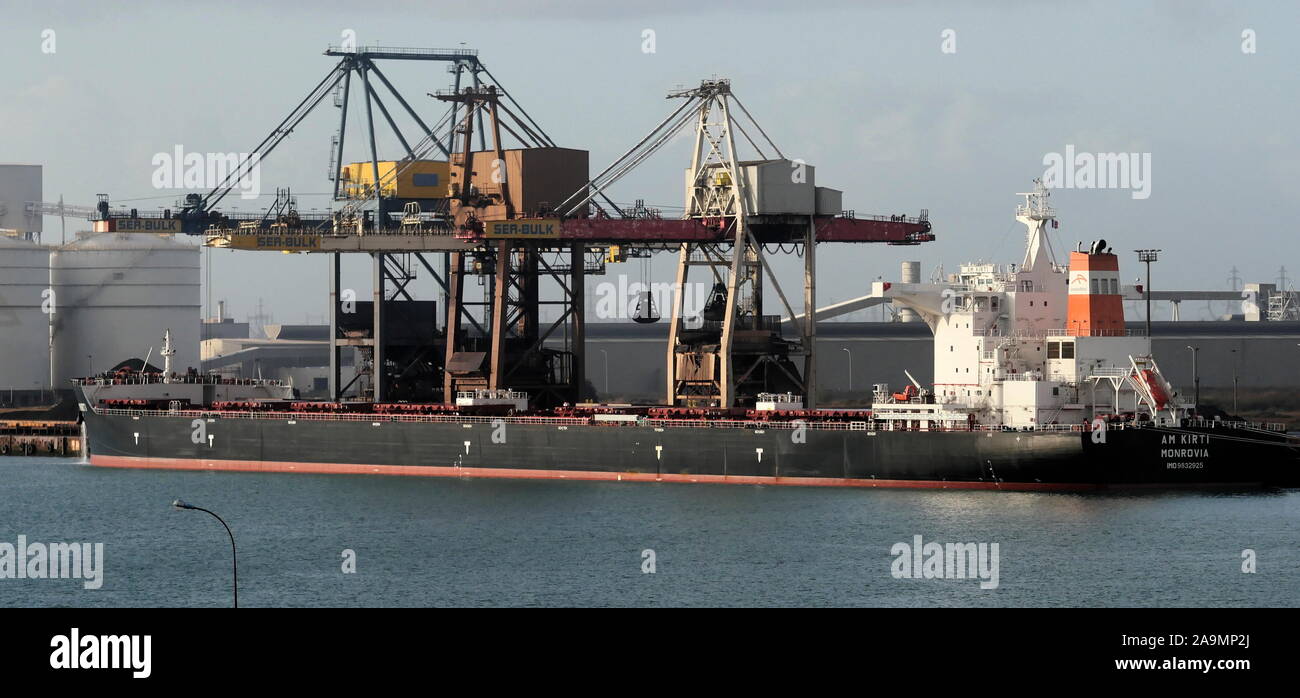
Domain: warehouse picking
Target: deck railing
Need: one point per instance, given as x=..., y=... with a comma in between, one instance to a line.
x=856, y=425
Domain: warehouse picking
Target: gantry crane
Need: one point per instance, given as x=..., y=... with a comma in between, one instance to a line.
x=734, y=351
x=506, y=229
x=514, y=216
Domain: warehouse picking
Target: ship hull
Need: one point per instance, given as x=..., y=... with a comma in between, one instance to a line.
x=1047, y=460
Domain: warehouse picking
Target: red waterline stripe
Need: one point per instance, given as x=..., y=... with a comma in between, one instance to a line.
x=526, y=473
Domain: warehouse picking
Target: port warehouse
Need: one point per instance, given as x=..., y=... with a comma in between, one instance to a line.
x=879, y=351
x=1266, y=356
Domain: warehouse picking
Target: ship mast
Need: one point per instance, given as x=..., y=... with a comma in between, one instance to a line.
x=1035, y=213
x=168, y=351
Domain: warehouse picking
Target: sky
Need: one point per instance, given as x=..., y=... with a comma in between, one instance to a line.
x=950, y=107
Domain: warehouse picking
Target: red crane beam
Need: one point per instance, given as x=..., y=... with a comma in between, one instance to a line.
x=910, y=231
x=902, y=231
x=638, y=230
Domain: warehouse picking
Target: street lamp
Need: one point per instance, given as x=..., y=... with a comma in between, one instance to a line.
x=606, y=355
x=234, y=561
x=1234, y=382
x=1148, y=256
x=846, y=350
x=1196, y=378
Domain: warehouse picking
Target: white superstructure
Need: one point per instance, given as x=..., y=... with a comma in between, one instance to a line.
x=1034, y=344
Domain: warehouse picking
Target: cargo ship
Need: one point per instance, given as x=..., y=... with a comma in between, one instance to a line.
x=1039, y=385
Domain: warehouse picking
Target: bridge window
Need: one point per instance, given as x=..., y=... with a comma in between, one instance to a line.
x=1067, y=350
x=1053, y=350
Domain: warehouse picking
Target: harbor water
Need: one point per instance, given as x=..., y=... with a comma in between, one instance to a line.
x=459, y=542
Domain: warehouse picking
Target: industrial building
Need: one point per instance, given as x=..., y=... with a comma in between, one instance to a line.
x=81, y=307
x=625, y=362
x=117, y=293
x=18, y=185
x=24, y=327
x=295, y=354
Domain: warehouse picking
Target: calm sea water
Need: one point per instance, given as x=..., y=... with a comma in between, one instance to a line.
x=451, y=542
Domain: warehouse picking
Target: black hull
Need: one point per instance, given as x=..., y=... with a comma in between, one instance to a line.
x=506, y=448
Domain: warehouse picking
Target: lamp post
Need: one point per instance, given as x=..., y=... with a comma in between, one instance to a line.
x=1148, y=256
x=606, y=355
x=1234, y=382
x=234, y=561
x=846, y=350
x=1196, y=377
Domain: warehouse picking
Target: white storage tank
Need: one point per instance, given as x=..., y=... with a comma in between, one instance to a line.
x=117, y=294
x=24, y=327
x=910, y=274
